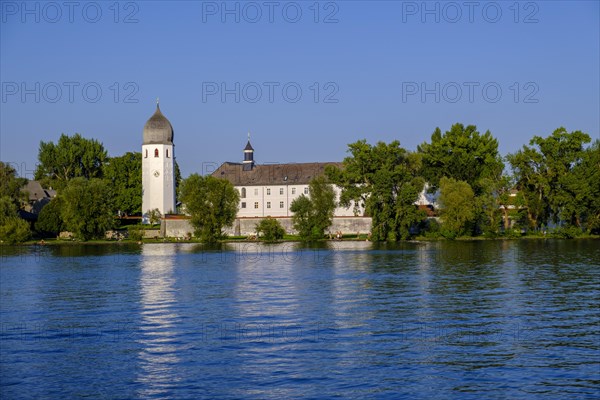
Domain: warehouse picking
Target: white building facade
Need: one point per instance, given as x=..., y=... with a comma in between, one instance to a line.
x=269, y=189
x=158, y=166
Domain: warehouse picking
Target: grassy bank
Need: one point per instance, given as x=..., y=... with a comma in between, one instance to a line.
x=287, y=238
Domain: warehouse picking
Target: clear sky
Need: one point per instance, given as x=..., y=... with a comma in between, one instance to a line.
x=364, y=69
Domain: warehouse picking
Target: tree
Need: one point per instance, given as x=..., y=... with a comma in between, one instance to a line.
x=49, y=220
x=583, y=184
x=314, y=214
x=124, y=175
x=212, y=204
x=544, y=172
x=270, y=229
x=10, y=184
x=385, y=179
x=302, y=209
x=86, y=208
x=322, y=198
x=458, y=210
x=505, y=199
x=493, y=205
x=12, y=228
x=154, y=216
x=531, y=182
x=72, y=157
x=461, y=153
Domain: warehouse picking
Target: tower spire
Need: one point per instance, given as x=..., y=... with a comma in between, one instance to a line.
x=248, y=163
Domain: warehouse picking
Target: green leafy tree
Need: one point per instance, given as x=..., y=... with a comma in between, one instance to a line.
x=322, y=198
x=314, y=214
x=270, y=230
x=461, y=153
x=212, y=204
x=11, y=184
x=544, y=173
x=302, y=209
x=583, y=186
x=124, y=175
x=385, y=179
x=493, y=205
x=49, y=220
x=177, y=177
x=154, y=216
x=532, y=183
x=12, y=228
x=458, y=207
x=86, y=208
x=72, y=157
x=505, y=201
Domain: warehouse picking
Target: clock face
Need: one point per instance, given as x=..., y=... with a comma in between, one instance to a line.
x=156, y=173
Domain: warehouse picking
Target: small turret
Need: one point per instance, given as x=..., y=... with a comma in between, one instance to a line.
x=248, y=156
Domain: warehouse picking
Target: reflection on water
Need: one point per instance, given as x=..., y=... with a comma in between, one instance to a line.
x=491, y=319
x=158, y=330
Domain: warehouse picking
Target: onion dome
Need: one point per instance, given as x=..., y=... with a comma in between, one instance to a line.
x=158, y=129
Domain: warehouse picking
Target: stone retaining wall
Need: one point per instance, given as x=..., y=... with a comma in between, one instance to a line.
x=181, y=228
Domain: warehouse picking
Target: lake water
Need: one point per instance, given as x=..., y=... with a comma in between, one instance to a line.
x=493, y=320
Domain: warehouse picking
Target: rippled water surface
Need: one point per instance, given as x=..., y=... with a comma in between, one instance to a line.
x=461, y=320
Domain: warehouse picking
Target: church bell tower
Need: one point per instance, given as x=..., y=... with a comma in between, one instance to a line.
x=158, y=166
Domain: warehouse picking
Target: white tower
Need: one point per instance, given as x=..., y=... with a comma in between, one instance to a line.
x=158, y=166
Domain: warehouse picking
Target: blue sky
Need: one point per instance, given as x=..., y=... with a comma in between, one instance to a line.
x=374, y=70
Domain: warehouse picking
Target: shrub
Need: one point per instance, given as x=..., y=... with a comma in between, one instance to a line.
x=432, y=228
x=270, y=229
x=136, y=233
x=566, y=232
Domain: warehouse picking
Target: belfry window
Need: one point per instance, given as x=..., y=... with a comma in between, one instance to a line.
x=167, y=155
x=156, y=153
x=243, y=193
x=146, y=154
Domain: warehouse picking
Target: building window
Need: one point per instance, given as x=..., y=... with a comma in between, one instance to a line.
x=280, y=190
x=256, y=192
x=167, y=153
x=256, y=204
x=268, y=191
x=243, y=193
x=281, y=204
x=155, y=152
x=243, y=204
x=293, y=190
x=305, y=190
x=146, y=154
x=268, y=204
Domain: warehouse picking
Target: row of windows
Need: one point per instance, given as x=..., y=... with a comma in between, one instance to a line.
x=281, y=204
x=243, y=191
x=156, y=153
